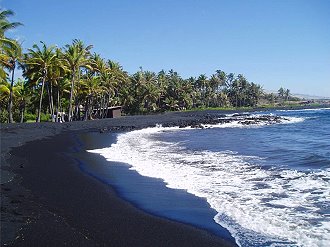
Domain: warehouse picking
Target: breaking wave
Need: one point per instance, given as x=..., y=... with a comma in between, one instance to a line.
x=260, y=206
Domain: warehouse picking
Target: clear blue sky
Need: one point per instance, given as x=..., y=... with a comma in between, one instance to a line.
x=273, y=43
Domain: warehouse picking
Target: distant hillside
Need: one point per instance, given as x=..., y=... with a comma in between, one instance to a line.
x=309, y=97
x=302, y=96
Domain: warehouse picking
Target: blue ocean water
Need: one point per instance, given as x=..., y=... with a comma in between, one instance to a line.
x=269, y=185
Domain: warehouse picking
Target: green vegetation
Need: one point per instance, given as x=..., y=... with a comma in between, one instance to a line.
x=76, y=81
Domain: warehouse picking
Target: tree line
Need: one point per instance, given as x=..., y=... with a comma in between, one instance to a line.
x=76, y=81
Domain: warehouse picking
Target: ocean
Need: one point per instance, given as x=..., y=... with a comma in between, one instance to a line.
x=267, y=185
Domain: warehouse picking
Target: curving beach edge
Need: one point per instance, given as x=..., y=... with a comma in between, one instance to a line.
x=46, y=200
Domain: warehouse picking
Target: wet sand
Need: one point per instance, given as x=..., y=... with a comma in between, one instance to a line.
x=48, y=201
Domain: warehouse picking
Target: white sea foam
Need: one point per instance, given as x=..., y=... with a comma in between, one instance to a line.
x=290, y=120
x=259, y=207
x=237, y=123
x=310, y=109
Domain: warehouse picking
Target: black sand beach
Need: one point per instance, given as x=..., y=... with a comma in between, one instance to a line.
x=46, y=200
x=51, y=202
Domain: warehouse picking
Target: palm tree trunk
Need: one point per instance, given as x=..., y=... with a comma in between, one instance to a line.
x=57, y=104
x=86, y=110
x=158, y=101
x=51, y=107
x=92, y=106
x=71, y=97
x=22, y=112
x=10, y=103
x=40, y=101
x=100, y=104
x=103, y=105
x=60, y=108
x=76, y=113
x=108, y=104
x=52, y=102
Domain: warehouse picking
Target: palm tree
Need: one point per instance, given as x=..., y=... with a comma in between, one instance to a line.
x=13, y=55
x=162, y=84
x=5, y=24
x=22, y=93
x=243, y=89
x=4, y=95
x=195, y=94
x=38, y=64
x=76, y=56
x=56, y=75
x=234, y=92
x=255, y=91
x=150, y=91
x=202, y=84
x=174, y=99
x=185, y=91
x=92, y=89
x=287, y=94
x=6, y=43
x=100, y=77
x=281, y=92
x=136, y=91
x=118, y=82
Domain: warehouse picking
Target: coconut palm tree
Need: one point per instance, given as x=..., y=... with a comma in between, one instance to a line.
x=5, y=24
x=281, y=92
x=4, y=96
x=203, y=85
x=222, y=77
x=254, y=93
x=287, y=94
x=13, y=55
x=101, y=77
x=56, y=76
x=174, y=91
x=119, y=80
x=76, y=56
x=92, y=91
x=38, y=65
x=22, y=94
x=5, y=42
x=150, y=91
x=10, y=53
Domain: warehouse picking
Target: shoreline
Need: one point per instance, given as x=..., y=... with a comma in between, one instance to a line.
x=146, y=193
x=63, y=205
x=32, y=208
x=21, y=207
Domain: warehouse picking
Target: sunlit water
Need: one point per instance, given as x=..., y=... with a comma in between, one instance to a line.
x=270, y=184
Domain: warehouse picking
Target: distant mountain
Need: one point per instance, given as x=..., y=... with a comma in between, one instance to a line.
x=309, y=97
x=302, y=96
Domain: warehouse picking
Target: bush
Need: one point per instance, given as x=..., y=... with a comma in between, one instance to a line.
x=29, y=117
x=3, y=116
x=16, y=116
x=45, y=117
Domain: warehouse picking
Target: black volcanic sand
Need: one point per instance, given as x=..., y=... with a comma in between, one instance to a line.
x=67, y=207
x=47, y=201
